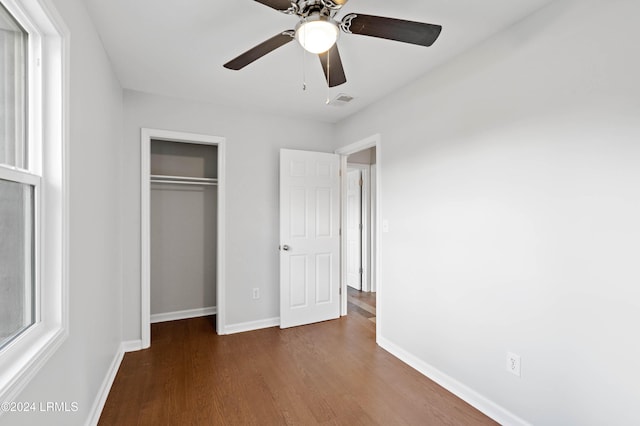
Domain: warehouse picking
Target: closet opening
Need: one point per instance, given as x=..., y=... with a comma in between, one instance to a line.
x=182, y=219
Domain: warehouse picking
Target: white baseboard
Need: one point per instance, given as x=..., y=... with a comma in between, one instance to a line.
x=132, y=345
x=251, y=325
x=473, y=398
x=103, y=393
x=189, y=313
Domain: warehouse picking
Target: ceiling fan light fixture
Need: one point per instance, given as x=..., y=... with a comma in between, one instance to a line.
x=317, y=33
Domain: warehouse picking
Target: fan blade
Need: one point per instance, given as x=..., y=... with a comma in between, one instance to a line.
x=281, y=5
x=391, y=29
x=332, y=67
x=260, y=50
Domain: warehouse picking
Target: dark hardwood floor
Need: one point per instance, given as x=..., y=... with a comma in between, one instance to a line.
x=330, y=373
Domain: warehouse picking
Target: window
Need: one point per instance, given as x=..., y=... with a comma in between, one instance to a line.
x=17, y=187
x=16, y=259
x=33, y=221
x=13, y=91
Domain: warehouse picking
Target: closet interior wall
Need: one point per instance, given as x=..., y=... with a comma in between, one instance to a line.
x=183, y=203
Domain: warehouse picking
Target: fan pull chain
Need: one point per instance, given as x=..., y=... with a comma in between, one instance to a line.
x=304, y=65
x=304, y=71
x=328, y=77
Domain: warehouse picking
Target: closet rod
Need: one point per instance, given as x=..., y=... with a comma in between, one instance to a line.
x=184, y=182
x=187, y=180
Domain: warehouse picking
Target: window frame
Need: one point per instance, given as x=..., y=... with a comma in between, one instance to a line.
x=20, y=176
x=47, y=135
x=21, y=150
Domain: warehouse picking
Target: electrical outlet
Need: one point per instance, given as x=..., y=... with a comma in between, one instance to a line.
x=256, y=293
x=513, y=363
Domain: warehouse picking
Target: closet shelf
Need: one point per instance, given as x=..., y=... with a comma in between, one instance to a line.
x=183, y=180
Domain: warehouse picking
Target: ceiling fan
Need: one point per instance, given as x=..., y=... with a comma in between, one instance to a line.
x=318, y=30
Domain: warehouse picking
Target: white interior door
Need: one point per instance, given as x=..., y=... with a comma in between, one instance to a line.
x=354, y=228
x=309, y=237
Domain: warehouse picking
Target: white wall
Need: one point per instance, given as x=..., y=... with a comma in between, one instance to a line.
x=76, y=371
x=511, y=183
x=183, y=247
x=252, y=158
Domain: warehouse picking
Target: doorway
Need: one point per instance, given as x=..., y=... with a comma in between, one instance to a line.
x=360, y=247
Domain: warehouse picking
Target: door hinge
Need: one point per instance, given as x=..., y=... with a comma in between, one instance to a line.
x=361, y=227
x=361, y=182
x=361, y=271
x=339, y=290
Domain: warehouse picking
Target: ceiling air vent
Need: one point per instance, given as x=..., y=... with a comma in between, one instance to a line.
x=341, y=99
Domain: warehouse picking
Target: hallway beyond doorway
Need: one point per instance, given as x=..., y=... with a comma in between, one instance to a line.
x=361, y=303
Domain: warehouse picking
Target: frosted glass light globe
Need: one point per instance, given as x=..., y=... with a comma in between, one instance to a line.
x=317, y=34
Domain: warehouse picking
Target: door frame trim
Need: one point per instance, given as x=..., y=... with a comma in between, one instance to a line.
x=146, y=135
x=368, y=142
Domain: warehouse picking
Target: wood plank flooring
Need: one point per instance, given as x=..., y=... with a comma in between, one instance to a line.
x=361, y=303
x=330, y=373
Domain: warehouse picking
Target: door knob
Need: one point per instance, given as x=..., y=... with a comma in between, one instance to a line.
x=285, y=247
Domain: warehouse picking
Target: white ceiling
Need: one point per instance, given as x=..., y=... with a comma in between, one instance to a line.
x=177, y=48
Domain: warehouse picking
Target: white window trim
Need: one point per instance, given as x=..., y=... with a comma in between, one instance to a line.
x=48, y=62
